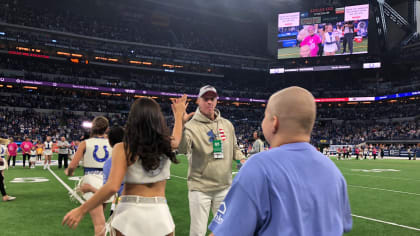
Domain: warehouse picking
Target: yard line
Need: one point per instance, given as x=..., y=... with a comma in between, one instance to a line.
x=386, y=222
x=384, y=177
x=179, y=177
x=71, y=191
x=382, y=189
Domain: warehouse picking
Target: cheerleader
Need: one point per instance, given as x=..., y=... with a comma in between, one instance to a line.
x=365, y=152
x=32, y=158
x=329, y=39
x=94, y=152
x=142, y=161
x=3, y=166
x=48, y=145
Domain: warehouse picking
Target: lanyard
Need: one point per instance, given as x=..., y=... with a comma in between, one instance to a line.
x=217, y=135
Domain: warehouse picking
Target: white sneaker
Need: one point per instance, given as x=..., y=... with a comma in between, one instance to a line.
x=45, y=167
x=9, y=198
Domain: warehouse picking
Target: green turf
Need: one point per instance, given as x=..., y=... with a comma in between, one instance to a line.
x=284, y=53
x=40, y=207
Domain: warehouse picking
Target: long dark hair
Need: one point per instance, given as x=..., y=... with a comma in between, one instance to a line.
x=146, y=135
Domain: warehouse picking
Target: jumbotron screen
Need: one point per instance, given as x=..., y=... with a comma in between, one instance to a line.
x=325, y=31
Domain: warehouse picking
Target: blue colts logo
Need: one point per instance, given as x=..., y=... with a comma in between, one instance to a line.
x=211, y=136
x=95, y=156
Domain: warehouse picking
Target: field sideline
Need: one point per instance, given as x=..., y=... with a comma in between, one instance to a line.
x=386, y=190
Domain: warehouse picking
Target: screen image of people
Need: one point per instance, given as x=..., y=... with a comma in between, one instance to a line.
x=323, y=32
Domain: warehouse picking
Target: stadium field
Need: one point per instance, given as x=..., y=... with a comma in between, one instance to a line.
x=285, y=53
x=383, y=190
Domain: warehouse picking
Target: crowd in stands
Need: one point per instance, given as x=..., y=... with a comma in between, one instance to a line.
x=355, y=132
x=179, y=30
x=37, y=125
x=248, y=86
x=195, y=61
x=337, y=125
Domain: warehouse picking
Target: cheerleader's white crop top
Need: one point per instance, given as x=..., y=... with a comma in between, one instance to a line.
x=136, y=174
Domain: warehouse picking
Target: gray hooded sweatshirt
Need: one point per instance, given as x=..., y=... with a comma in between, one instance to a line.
x=205, y=173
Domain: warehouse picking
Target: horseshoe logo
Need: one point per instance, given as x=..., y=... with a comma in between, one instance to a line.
x=95, y=156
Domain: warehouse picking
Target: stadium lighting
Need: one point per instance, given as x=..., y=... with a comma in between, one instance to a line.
x=87, y=124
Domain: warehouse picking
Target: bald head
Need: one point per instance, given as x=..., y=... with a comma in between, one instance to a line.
x=293, y=112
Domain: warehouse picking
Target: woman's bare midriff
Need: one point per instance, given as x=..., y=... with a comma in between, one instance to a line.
x=146, y=190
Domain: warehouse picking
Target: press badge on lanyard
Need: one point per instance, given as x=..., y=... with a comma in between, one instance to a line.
x=217, y=149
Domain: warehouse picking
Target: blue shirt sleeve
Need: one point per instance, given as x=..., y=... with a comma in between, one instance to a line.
x=347, y=218
x=107, y=169
x=243, y=211
x=236, y=215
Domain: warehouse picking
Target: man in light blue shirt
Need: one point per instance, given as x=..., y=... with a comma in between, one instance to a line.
x=292, y=189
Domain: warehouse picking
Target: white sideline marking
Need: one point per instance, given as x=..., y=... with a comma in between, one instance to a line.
x=178, y=177
x=384, y=177
x=382, y=189
x=67, y=187
x=386, y=222
x=375, y=170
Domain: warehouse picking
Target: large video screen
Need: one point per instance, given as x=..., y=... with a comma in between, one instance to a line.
x=325, y=31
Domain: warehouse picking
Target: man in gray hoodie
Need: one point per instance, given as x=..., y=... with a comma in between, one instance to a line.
x=209, y=142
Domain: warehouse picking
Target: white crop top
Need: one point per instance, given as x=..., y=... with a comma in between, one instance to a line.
x=136, y=174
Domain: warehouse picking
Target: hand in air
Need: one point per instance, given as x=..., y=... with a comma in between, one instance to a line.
x=179, y=107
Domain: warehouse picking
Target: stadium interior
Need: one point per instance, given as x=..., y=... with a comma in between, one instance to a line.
x=63, y=63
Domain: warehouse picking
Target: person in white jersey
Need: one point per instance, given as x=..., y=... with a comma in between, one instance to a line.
x=3, y=152
x=48, y=145
x=32, y=158
x=3, y=166
x=94, y=152
x=142, y=161
x=329, y=39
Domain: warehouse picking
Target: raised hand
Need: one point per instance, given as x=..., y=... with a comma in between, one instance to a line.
x=179, y=107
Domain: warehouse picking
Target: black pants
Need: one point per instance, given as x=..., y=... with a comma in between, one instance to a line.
x=2, y=190
x=321, y=50
x=374, y=156
x=62, y=157
x=14, y=160
x=39, y=157
x=24, y=159
x=348, y=39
